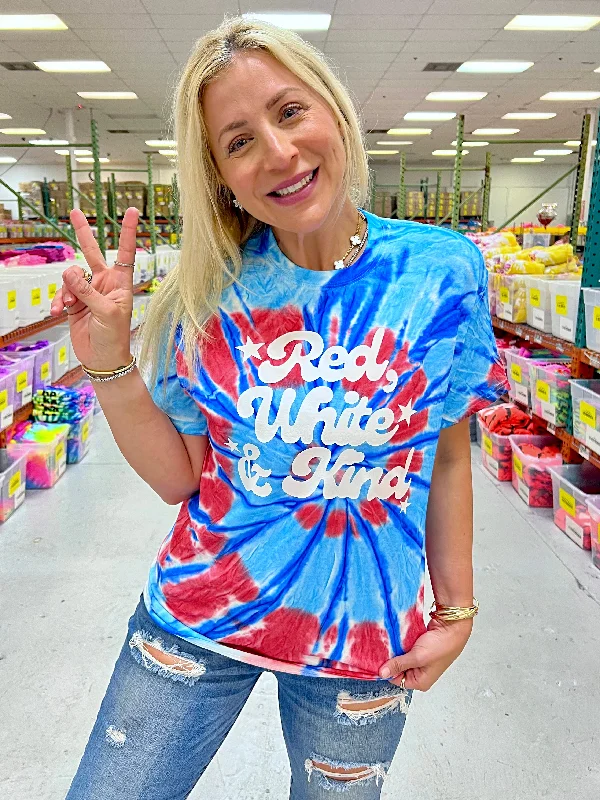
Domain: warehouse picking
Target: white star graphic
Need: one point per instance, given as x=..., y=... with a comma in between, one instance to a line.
x=404, y=505
x=231, y=445
x=250, y=349
x=406, y=412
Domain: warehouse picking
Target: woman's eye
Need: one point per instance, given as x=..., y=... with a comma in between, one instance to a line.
x=293, y=109
x=233, y=147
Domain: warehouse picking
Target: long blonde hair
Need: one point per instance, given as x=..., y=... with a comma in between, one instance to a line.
x=213, y=230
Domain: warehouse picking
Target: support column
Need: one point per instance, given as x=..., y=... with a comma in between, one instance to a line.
x=460, y=135
x=101, y=236
x=438, y=189
x=487, y=188
x=401, y=202
x=580, y=179
x=151, y=212
x=589, y=164
x=73, y=197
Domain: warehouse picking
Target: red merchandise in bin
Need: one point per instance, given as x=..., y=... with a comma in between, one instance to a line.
x=573, y=485
x=532, y=455
x=498, y=424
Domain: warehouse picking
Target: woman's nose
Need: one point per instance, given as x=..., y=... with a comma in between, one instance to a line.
x=279, y=150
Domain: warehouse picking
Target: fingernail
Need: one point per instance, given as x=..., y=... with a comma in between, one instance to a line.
x=385, y=672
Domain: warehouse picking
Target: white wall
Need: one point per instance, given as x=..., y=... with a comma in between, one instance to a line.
x=512, y=187
x=18, y=173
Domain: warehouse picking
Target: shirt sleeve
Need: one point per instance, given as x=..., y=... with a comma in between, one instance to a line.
x=477, y=375
x=170, y=396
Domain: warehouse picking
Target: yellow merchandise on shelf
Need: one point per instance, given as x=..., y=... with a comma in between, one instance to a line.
x=556, y=254
x=511, y=303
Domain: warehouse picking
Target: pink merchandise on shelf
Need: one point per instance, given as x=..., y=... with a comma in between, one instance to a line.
x=12, y=483
x=532, y=455
x=593, y=504
x=45, y=447
x=573, y=485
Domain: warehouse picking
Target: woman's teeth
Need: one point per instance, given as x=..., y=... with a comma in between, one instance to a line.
x=296, y=187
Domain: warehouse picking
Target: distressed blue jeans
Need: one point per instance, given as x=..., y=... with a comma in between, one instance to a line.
x=170, y=705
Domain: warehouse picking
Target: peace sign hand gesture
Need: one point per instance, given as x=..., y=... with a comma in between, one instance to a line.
x=100, y=312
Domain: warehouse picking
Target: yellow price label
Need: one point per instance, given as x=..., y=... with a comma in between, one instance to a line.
x=587, y=414
x=504, y=295
x=12, y=299
x=62, y=355
x=487, y=445
x=36, y=297
x=596, y=317
x=60, y=451
x=21, y=381
x=51, y=291
x=3, y=399
x=535, y=298
x=85, y=431
x=135, y=313
x=14, y=483
x=562, y=304
x=45, y=371
x=518, y=465
x=515, y=371
x=542, y=391
x=567, y=502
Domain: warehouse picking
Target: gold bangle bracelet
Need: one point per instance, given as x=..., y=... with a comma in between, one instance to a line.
x=453, y=613
x=102, y=373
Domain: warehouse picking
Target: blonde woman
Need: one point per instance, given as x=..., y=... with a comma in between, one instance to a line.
x=314, y=366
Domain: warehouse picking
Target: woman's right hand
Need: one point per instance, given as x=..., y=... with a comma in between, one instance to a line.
x=100, y=313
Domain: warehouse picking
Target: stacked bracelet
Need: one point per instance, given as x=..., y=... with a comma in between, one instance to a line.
x=453, y=613
x=109, y=375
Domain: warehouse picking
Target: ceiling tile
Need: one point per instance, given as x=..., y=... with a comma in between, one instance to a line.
x=463, y=7
x=91, y=6
x=555, y=7
x=400, y=7
x=368, y=35
x=143, y=36
x=380, y=48
x=219, y=7
x=77, y=22
x=323, y=6
x=470, y=22
x=450, y=37
x=382, y=22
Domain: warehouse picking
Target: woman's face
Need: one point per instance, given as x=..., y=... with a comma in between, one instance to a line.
x=275, y=142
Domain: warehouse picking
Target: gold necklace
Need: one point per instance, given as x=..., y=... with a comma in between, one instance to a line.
x=356, y=243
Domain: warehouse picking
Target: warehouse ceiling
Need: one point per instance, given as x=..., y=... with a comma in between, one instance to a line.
x=381, y=48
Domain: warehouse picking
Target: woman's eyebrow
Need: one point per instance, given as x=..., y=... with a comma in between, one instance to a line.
x=232, y=126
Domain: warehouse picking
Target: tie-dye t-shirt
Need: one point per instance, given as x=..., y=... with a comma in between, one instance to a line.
x=323, y=395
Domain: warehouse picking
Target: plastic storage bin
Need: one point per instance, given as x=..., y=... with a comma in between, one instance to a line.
x=496, y=454
x=7, y=397
x=9, y=308
x=61, y=338
x=43, y=355
x=12, y=483
x=539, y=303
x=565, y=305
x=46, y=461
x=78, y=441
x=591, y=298
x=520, y=376
x=585, y=396
x=551, y=392
x=593, y=504
x=511, y=302
x=530, y=476
x=573, y=485
x=22, y=369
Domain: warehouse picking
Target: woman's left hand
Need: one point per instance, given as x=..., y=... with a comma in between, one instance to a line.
x=431, y=655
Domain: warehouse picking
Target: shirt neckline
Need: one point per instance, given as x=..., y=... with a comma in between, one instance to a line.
x=328, y=279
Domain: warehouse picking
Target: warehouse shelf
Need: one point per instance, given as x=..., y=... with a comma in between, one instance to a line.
x=31, y=240
x=50, y=322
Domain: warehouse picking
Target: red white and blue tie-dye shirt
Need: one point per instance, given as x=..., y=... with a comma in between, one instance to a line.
x=323, y=395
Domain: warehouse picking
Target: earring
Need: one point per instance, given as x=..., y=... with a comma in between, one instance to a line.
x=237, y=203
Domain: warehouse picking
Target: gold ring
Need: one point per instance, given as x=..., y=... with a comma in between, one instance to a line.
x=87, y=274
x=122, y=264
x=403, y=684
x=70, y=313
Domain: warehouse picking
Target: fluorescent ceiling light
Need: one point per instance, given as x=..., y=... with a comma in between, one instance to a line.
x=470, y=144
x=161, y=143
x=583, y=96
x=429, y=116
x=295, y=22
x=551, y=22
x=577, y=143
x=5, y=116
x=22, y=131
x=447, y=152
x=48, y=141
x=495, y=131
x=409, y=132
x=72, y=66
x=91, y=160
x=168, y=152
x=457, y=96
x=527, y=160
x=75, y=152
x=108, y=95
x=383, y=152
x=391, y=141
x=529, y=115
x=31, y=22
x=495, y=66
x=7, y=160
x=552, y=152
